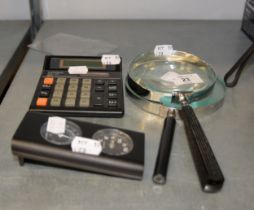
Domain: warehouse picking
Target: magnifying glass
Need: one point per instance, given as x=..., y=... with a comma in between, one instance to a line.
x=180, y=81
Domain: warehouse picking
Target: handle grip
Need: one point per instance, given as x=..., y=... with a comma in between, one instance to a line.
x=238, y=67
x=161, y=167
x=209, y=172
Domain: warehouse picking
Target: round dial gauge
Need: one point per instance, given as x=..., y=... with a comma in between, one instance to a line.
x=114, y=142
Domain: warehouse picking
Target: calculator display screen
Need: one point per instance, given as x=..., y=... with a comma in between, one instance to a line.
x=90, y=63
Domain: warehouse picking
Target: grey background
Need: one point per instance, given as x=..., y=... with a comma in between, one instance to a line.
x=123, y=9
x=11, y=33
x=229, y=130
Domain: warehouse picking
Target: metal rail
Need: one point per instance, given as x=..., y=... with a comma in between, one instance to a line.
x=15, y=61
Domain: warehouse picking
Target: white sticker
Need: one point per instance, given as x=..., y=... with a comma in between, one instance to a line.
x=56, y=125
x=185, y=79
x=77, y=70
x=86, y=146
x=110, y=59
x=182, y=79
x=163, y=50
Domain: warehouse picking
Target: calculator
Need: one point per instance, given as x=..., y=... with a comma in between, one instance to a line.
x=96, y=93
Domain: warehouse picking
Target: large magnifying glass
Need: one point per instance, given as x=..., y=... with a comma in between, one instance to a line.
x=179, y=81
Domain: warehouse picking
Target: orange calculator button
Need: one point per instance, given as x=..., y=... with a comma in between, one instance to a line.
x=41, y=102
x=48, y=81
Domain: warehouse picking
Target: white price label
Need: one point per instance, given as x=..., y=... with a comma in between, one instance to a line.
x=86, y=146
x=163, y=50
x=56, y=125
x=188, y=79
x=110, y=59
x=182, y=79
x=77, y=70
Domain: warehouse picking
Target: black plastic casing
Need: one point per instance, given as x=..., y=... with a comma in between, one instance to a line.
x=28, y=144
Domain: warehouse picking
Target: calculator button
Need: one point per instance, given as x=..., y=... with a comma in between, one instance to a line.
x=99, y=88
x=48, y=81
x=112, y=88
x=58, y=93
x=59, y=87
x=45, y=87
x=84, y=102
x=73, y=87
x=112, y=82
x=85, y=94
x=60, y=80
x=112, y=95
x=86, y=81
x=44, y=93
x=112, y=103
x=99, y=82
x=86, y=87
x=98, y=101
x=71, y=94
x=70, y=102
x=74, y=81
x=55, y=102
x=41, y=101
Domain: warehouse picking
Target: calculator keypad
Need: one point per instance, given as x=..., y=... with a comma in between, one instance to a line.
x=76, y=92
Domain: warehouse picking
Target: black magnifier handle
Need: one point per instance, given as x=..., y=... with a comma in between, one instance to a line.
x=209, y=172
x=161, y=166
x=238, y=67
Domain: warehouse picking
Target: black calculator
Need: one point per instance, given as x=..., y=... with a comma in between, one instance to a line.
x=97, y=93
